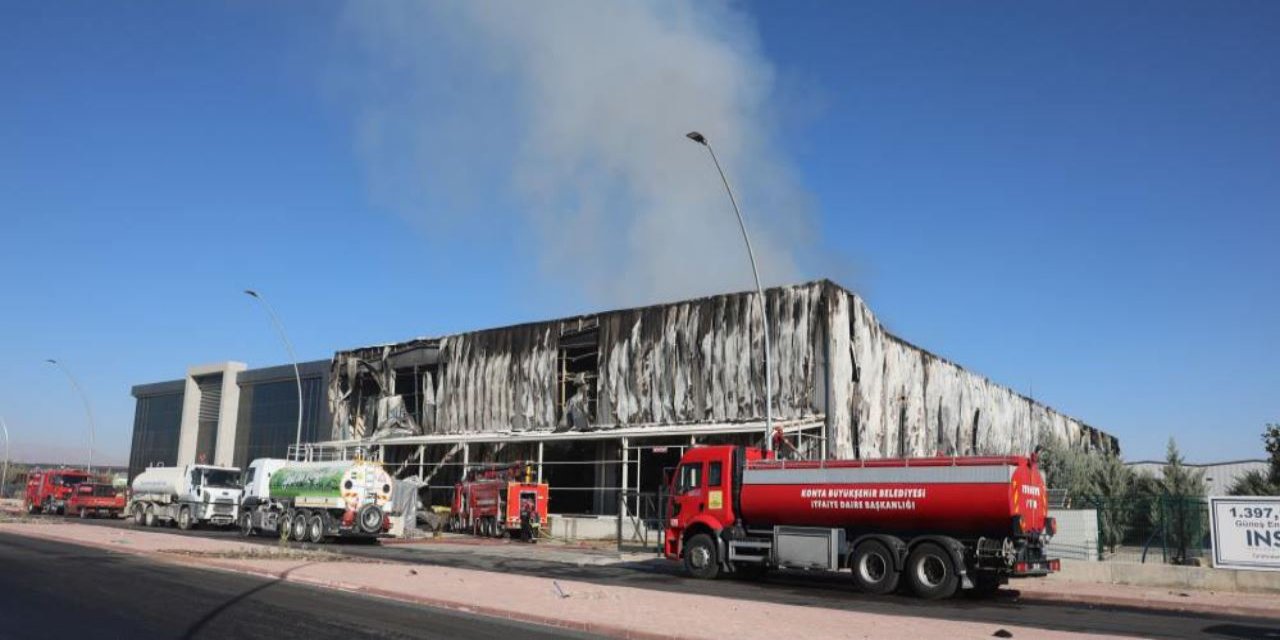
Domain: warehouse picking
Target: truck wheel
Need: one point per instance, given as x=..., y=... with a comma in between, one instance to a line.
x=315, y=529
x=149, y=519
x=139, y=515
x=283, y=523
x=84, y=514
x=700, y=557
x=300, y=526
x=873, y=568
x=931, y=573
x=246, y=524
x=184, y=518
x=32, y=509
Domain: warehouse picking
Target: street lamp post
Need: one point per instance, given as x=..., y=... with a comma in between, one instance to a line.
x=4, y=479
x=764, y=313
x=83, y=398
x=275, y=320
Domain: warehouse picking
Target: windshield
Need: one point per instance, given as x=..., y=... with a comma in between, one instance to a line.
x=222, y=479
x=68, y=481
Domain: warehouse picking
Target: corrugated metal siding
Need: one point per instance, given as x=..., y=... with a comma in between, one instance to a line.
x=210, y=398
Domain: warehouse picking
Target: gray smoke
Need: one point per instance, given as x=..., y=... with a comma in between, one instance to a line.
x=577, y=111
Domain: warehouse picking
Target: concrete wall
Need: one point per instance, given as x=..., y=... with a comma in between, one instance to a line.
x=1171, y=576
x=583, y=527
x=1077, y=537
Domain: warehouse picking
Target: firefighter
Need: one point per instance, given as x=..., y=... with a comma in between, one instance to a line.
x=782, y=447
x=527, y=515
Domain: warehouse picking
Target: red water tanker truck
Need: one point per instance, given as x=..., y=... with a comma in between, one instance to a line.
x=940, y=524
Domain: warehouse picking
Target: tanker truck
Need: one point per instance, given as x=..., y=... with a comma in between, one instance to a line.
x=315, y=501
x=187, y=495
x=938, y=524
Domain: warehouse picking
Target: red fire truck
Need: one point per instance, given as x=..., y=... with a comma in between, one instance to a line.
x=93, y=499
x=49, y=490
x=498, y=501
x=941, y=524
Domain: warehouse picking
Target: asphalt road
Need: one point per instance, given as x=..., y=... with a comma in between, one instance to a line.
x=55, y=590
x=828, y=591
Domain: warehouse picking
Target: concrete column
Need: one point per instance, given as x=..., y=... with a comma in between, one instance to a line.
x=626, y=459
x=228, y=415
x=540, y=443
x=228, y=412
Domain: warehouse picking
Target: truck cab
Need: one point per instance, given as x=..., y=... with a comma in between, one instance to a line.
x=257, y=479
x=701, y=494
x=48, y=491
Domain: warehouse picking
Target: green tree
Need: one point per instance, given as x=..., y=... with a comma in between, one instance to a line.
x=1254, y=483
x=1181, y=513
x=1112, y=489
x=1069, y=470
x=1262, y=483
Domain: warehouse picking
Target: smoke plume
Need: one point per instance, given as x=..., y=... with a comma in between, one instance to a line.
x=576, y=112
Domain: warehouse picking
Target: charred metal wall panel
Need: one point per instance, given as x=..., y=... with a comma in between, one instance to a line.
x=697, y=362
x=903, y=400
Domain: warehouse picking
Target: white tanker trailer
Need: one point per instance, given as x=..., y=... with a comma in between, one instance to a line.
x=313, y=501
x=186, y=494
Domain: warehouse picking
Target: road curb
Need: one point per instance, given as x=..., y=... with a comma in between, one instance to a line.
x=1145, y=604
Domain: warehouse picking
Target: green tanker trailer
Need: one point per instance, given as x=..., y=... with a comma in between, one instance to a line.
x=315, y=501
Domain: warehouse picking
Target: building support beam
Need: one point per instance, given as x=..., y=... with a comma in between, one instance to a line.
x=626, y=459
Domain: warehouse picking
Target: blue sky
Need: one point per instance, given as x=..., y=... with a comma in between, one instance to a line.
x=1078, y=200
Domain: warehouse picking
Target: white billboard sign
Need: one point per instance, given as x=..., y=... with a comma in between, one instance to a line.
x=1245, y=533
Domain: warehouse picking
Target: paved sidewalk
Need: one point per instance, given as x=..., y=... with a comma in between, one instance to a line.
x=610, y=610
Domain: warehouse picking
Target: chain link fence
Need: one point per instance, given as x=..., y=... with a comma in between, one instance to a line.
x=1165, y=529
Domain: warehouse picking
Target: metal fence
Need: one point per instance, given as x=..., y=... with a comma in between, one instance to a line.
x=641, y=520
x=1165, y=529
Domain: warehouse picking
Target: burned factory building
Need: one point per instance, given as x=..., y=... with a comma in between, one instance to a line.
x=602, y=403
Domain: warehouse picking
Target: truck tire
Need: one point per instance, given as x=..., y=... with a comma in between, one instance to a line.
x=299, y=529
x=315, y=529
x=139, y=515
x=150, y=518
x=284, y=522
x=931, y=572
x=700, y=558
x=84, y=513
x=32, y=509
x=369, y=519
x=874, y=568
x=246, y=525
x=184, y=519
